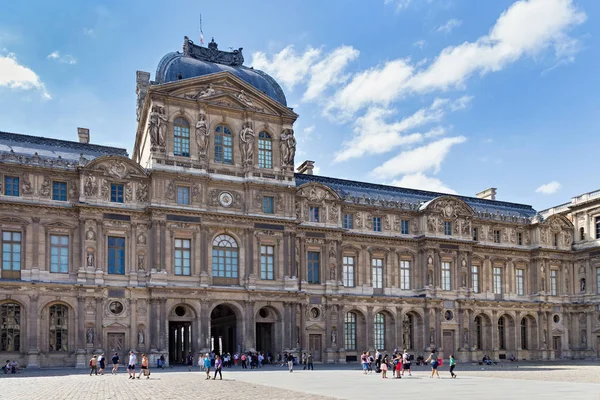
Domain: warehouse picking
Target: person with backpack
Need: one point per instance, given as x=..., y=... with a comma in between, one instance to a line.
x=406, y=363
x=434, y=363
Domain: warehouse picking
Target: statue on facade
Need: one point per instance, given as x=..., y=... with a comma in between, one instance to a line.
x=544, y=337
x=582, y=285
x=90, y=259
x=333, y=337
x=247, y=143
x=466, y=338
x=431, y=335
x=140, y=337
x=584, y=338
x=287, y=147
x=90, y=336
x=243, y=98
x=140, y=262
x=202, y=134
x=157, y=126
x=90, y=186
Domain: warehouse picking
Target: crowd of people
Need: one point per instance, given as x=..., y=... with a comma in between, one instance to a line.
x=10, y=367
x=400, y=364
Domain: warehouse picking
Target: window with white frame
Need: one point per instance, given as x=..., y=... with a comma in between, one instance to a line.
x=497, y=280
x=553, y=282
x=447, y=228
x=404, y=227
x=520, y=281
x=348, y=266
x=265, y=150
x=313, y=214
x=475, y=278
x=379, y=331
x=377, y=264
x=376, y=224
x=348, y=221
x=59, y=253
x=404, y=274
x=183, y=195
x=350, y=331
x=181, y=137
x=182, y=256
x=446, y=276
x=267, y=261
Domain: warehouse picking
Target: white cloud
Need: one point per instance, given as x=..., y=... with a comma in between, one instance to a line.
x=418, y=160
x=287, y=66
x=16, y=76
x=525, y=29
x=89, y=32
x=329, y=71
x=400, y=4
x=373, y=134
x=548, y=188
x=420, y=44
x=422, y=182
x=65, y=59
x=449, y=25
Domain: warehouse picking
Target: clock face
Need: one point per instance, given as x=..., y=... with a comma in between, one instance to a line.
x=225, y=199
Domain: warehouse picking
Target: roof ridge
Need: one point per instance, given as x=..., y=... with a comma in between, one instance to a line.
x=44, y=140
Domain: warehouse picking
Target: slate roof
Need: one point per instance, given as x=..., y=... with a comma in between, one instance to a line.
x=358, y=192
x=18, y=147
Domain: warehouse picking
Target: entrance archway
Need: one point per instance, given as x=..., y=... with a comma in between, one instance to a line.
x=223, y=329
x=180, y=333
x=267, y=330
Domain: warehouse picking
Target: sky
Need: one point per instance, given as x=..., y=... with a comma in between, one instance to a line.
x=454, y=96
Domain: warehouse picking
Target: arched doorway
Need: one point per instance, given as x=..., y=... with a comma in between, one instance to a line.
x=267, y=330
x=223, y=329
x=180, y=333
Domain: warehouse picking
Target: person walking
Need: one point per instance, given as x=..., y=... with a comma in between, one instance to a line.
x=144, y=370
x=406, y=363
x=101, y=363
x=206, y=361
x=452, y=365
x=131, y=365
x=115, y=361
x=218, y=367
x=190, y=361
x=243, y=358
x=290, y=360
x=309, y=361
x=304, y=361
x=364, y=362
x=93, y=365
x=434, y=364
x=384, y=367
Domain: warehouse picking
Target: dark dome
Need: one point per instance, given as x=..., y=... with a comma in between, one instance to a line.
x=198, y=61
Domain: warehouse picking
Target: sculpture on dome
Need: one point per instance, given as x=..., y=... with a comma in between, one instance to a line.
x=287, y=147
x=212, y=53
x=247, y=143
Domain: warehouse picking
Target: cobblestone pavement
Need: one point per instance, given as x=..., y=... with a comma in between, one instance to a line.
x=508, y=381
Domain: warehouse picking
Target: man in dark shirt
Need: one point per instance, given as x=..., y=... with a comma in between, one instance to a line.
x=115, y=361
x=290, y=360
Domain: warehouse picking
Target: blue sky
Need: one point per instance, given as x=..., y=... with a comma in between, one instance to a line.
x=448, y=95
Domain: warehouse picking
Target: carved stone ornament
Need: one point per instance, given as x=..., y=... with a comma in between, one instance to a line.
x=90, y=234
x=207, y=91
x=244, y=99
x=73, y=192
x=316, y=194
x=450, y=208
x=141, y=193
x=26, y=185
x=287, y=147
x=116, y=169
x=91, y=186
x=196, y=193
x=128, y=192
x=46, y=187
x=157, y=127
x=212, y=53
x=105, y=190
x=171, y=190
x=141, y=239
x=202, y=135
x=247, y=139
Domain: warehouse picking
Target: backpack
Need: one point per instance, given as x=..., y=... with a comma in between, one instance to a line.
x=90, y=363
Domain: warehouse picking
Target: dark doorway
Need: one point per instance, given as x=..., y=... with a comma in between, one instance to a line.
x=223, y=332
x=180, y=341
x=264, y=337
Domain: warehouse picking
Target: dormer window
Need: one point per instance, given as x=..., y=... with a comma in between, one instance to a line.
x=223, y=145
x=181, y=137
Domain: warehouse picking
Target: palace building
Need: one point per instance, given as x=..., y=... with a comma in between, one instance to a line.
x=205, y=238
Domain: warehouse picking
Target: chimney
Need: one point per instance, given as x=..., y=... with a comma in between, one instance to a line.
x=84, y=135
x=487, y=194
x=306, y=167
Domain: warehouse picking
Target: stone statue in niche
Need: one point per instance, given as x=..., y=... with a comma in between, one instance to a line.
x=464, y=279
x=45, y=188
x=333, y=337
x=582, y=285
x=466, y=338
x=140, y=337
x=202, y=134
x=544, y=337
x=287, y=147
x=247, y=143
x=91, y=186
x=90, y=259
x=429, y=278
x=332, y=272
x=141, y=262
x=157, y=126
x=431, y=336
x=90, y=336
x=584, y=338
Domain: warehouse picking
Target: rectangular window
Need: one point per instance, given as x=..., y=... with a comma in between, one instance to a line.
x=314, y=214
x=116, y=255
x=265, y=151
x=181, y=138
x=377, y=264
x=313, y=267
x=520, y=238
x=597, y=218
x=376, y=224
x=404, y=274
x=11, y=186
x=556, y=240
x=553, y=282
x=497, y=236
x=475, y=278
x=348, y=221
x=116, y=193
x=446, y=281
x=348, y=265
x=404, y=227
x=59, y=253
x=497, y=280
x=268, y=204
x=475, y=234
x=520, y=281
x=183, y=195
x=447, y=228
x=59, y=191
x=11, y=251
x=183, y=256
x=267, y=262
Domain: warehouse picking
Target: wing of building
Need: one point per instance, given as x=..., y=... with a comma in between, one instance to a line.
x=206, y=239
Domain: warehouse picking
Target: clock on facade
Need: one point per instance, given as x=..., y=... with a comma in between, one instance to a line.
x=226, y=199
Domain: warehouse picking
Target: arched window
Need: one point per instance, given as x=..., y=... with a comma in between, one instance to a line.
x=408, y=328
x=59, y=323
x=181, y=137
x=379, y=331
x=265, y=150
x=350, y=331
x=501, y=342
x=225, y=257
x=10, y=327
x=223, y=145
x=478, y=332
x=524, y=333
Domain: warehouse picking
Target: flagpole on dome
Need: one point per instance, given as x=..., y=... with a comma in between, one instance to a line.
x=201, y=33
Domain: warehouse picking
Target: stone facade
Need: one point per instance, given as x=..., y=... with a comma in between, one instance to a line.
x=206, y=239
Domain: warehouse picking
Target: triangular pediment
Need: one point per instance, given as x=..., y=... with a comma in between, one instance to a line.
x=116, y=325
x=58, y=224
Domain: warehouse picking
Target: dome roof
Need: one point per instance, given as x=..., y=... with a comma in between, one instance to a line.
x=199, y=61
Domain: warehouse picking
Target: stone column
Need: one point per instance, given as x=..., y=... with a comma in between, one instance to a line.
x=518, y=331
x=81, y=253
x=340, y=328
x=287, y=326
x=370, y=329
x=471, y=326
x=249, y=341
x=283, y=265
x=204, y=327
x=588, y=331
x=163, y=246
x=35, y=248
x=438, y=327
x=154, y=343
x=400, y=329
x=327, y=316
x=549, y=337
x=162, y=324
x=293, y=267
x=100, y=241
x=32, y=334
x=132, y=255
x=298, y=338
x=133, y=337
x=99, y=331
x=494, y=333
x=80, y=333
x=540, y=332
x=153, y=263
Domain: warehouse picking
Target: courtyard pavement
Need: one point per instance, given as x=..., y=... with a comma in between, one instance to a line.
x=564, y=380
